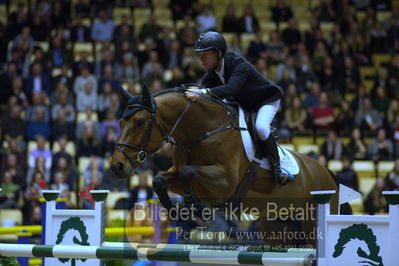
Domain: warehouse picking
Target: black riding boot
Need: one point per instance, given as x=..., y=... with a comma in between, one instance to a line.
x=269, y=147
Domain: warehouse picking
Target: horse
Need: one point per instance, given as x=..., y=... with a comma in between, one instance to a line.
x=209, y=162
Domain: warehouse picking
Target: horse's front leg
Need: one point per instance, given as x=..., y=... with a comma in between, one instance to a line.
x=160, y=184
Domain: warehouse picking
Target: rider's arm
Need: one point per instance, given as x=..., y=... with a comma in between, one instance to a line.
x=238, y=77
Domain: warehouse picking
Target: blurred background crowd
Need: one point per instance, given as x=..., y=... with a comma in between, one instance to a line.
x=337, y=60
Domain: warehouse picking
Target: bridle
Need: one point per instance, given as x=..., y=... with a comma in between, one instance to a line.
x=142, y=148
x=143, y=153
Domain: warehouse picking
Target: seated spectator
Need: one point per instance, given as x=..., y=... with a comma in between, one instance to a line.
x=31, y=203
x=84, y=78
x=13, y=126
x=148, y=66
x=358, y=102
x=18, y=150
x=349, y=79
x=106, y=59
x=109, y=121
x=38, y=102
x=289, y=65
x=150, y=30
x=291, y=36
x=173, y=55
x=62, y=153
x=89, y=144
x=275, y=48
x=249, y=22
x=79, y=31
x=230, y=22
x=124, y=28
x=68, y=170
x=6, y=78
x=347, y=176
x=59, y=16
x=375, y=201
x=62, y=88
x=83, y=62
x=103, y=28
x=108, y=76
x=368, y=118
x=67, y=108
x=155, y=73
x=234, y=46
x=206, y=20
x=356, y=148
x=142, y=192
x=39, y=29
x=257, y=47
x=37, y=81
x=325, y=11
x=381, y=80
x=344, y=119
x=80, y=128
x=59, y=53
x=39, y=181
x=38, y=126
x=187, y=35
x=281, y=12
x=323, y=113
x=82, y=9
x=94, y=169
x=62, y=127
x=104, y=99
x=129, y=71
x=380, y=148
x=24, y=40
x=87, y=99
x=109, y=141
x=393, y=111
x=9, y=193
x=40, y=151
x=392, y=179
x=381, y=101
x=295, y=115
x=13, y=167
x=332, y=147
x=328, y=75
x=18, y=91
x=60, y=184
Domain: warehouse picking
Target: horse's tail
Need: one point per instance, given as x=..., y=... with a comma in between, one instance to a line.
x=346, y=207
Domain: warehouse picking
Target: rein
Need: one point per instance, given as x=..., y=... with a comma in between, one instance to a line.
x=143, y=153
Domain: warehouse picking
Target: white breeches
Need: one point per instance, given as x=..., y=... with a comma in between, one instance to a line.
x=264, y=118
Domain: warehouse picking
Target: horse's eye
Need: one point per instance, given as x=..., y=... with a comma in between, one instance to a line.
x=140, y=122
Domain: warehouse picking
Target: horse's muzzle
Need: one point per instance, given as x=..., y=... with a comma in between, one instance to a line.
x=121, y=170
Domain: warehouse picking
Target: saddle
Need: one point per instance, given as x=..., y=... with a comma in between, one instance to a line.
x=250, y=119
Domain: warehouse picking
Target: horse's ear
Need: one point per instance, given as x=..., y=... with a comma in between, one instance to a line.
x=122, y=92
x=147, y=97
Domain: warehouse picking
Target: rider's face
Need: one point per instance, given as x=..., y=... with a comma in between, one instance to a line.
x=209, y=59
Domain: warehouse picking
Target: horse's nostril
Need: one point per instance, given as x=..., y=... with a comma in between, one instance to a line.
x=120, y=166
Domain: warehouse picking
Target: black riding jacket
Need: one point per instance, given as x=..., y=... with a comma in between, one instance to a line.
x=243, y=83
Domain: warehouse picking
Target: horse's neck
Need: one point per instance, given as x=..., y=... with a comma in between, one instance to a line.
x=202, y=116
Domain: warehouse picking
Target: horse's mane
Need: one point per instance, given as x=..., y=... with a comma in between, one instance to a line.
x=181, y=90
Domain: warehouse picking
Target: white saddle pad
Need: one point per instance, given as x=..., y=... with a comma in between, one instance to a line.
x=287, y=161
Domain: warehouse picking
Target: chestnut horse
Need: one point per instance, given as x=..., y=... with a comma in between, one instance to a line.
x=210, y=161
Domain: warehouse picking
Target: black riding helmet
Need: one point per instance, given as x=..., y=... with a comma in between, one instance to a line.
x=211, y=40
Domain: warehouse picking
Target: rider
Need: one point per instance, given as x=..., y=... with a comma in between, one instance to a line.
x=231, y=76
